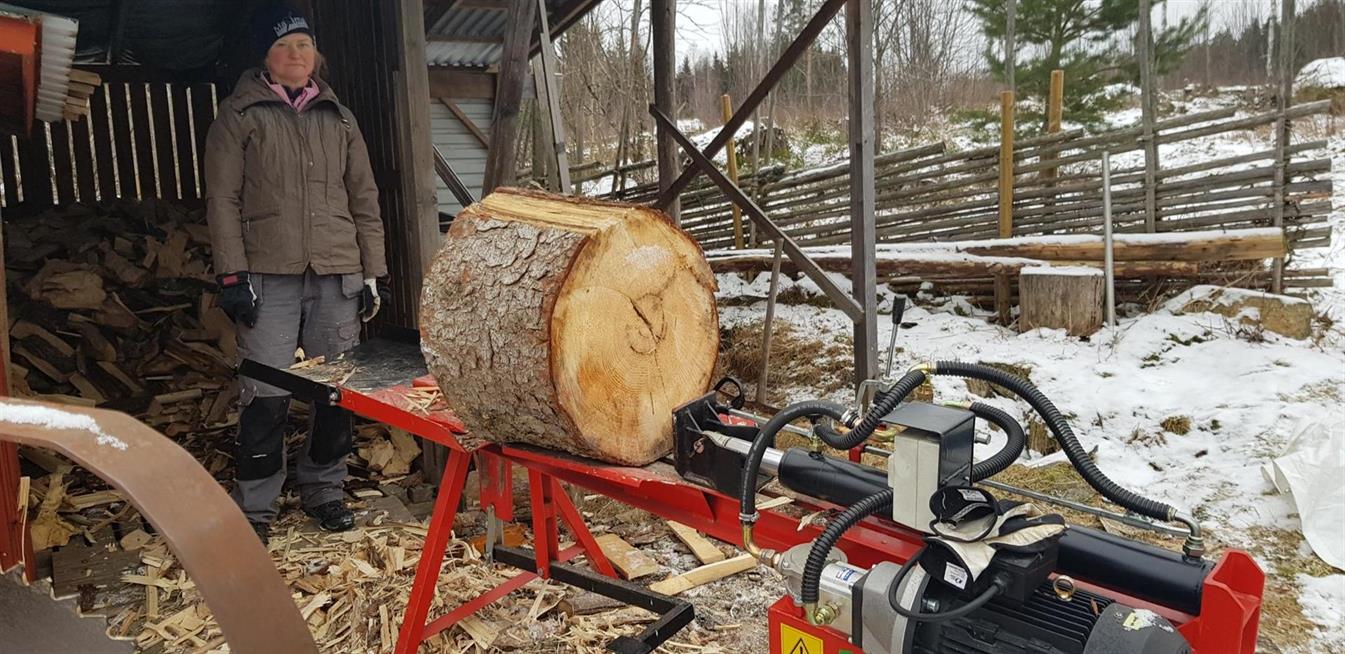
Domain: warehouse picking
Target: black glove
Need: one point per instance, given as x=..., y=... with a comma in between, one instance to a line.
x=376, y=292
x=237, y=298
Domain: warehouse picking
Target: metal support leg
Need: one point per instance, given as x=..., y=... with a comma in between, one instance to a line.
x=544, y=535
x=432, y=555
x=596, y=557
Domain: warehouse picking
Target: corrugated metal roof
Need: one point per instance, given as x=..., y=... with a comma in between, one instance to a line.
x=475, y=24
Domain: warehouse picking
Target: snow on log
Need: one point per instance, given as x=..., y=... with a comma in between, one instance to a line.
x=569, y=324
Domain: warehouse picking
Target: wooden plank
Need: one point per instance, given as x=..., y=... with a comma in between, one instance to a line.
x=77, y=566
x=502, y=161
x=1148, y=110
x=1005, y=191
x=663, y=25
x=1283, y=127
x=731, y=152
x=704, y=550
x=859, y=49
x=455, y=84
x=466, y=121
x=704, y=575
x=548, y=97
x=419, y=235
x=630, y=562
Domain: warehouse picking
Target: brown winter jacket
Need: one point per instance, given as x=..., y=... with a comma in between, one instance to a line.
x=286, y=190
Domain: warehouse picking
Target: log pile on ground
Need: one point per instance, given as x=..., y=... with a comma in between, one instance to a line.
x=1142, y=262
x=113, y=306
x=570, y=324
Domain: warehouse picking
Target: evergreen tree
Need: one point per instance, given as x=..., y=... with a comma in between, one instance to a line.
x=1082, y=38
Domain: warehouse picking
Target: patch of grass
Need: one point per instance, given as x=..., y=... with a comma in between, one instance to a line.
x=1179, y=425
x=1282, y=620
x=796, y=361
x=1142, y=437
x=797, y=295
x=1198, y=338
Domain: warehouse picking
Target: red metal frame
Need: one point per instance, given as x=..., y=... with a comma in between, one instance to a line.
x=1227, y=624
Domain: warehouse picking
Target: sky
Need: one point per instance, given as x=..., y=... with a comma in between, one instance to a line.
x=698, y=21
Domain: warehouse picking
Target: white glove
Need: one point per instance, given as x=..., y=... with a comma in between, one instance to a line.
x=370, y=302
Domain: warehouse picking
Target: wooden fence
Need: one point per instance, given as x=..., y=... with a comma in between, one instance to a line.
x=931, y=194
x=141, y=140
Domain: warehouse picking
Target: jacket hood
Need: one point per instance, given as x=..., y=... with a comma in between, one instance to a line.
x=253, y=89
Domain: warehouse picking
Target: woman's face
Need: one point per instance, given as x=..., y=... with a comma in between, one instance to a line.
x=291, y=59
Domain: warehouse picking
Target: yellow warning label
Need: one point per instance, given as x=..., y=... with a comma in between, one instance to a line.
x=793, y=641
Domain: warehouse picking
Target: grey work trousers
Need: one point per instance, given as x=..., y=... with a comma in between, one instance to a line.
x=319, y=313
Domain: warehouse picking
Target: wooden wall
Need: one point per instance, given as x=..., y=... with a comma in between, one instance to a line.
x=142, y=140
x=368, y=46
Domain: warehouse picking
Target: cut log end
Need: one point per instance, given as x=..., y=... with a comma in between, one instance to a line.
x=605, y=312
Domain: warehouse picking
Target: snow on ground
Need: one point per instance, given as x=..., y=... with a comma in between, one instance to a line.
x=1328, y=73
x=1244, y=398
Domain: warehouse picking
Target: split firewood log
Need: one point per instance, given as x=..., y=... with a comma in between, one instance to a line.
x=569, y=324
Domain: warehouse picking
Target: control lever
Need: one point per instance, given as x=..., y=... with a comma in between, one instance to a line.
x=898, y=310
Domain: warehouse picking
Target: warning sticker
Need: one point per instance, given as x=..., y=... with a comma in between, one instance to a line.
x=793, y=641
x=955, y=575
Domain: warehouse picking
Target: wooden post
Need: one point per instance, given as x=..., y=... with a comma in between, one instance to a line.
x=863, y=277
x=14, y=545
x=1003, y=291
x=663, y=24
x=1144, y=50
x=502, y=161
x=767, y=328
x=1010, y=48
x=1055, y=109
x=1055, y=102
x=726, y=109
x=1283, y=128
x=542, y=159
x=548, y=98
x=1108, y=253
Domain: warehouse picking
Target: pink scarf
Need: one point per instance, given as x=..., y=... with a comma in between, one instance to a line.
x=299, y=101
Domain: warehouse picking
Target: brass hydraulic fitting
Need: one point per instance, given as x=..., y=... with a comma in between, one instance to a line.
x=820, y=615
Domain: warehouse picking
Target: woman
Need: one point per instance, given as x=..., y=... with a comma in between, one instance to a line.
x=298, y=248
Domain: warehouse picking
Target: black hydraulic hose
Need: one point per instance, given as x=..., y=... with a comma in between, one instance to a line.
x=1004, y=458
x=883, y=404
x=1061, y=429
x=817, y=555
x=976, y=603
x=747, y=494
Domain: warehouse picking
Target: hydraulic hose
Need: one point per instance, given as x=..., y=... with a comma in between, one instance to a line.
x=979, y=601
x=1012, y=449
x=747, y=494
x=1061, y=429
x=883, y=404
x=817, y=554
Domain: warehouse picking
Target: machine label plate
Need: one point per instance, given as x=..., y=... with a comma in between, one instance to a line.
x=793, y=641
x=955, y=575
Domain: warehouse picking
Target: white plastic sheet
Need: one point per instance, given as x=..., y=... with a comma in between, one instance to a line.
x=1311, y=469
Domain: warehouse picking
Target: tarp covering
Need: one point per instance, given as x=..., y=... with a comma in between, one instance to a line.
x=1312, y=468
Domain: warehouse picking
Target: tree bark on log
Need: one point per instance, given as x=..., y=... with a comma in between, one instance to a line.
x=569, y=324
x=1061, y=298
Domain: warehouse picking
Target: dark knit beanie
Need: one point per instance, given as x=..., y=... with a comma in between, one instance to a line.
x=272, y=21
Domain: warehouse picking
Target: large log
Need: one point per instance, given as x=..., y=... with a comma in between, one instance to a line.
x=569, y=324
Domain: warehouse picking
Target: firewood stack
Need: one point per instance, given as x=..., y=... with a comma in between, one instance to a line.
x=114, y=306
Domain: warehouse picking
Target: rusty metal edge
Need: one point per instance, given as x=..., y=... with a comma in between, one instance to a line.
x=203, y=527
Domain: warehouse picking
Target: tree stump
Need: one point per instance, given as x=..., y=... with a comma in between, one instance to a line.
x=570, y=324
x=1068, y=298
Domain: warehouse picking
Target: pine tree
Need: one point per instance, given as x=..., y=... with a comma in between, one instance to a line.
x=1082, y=39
